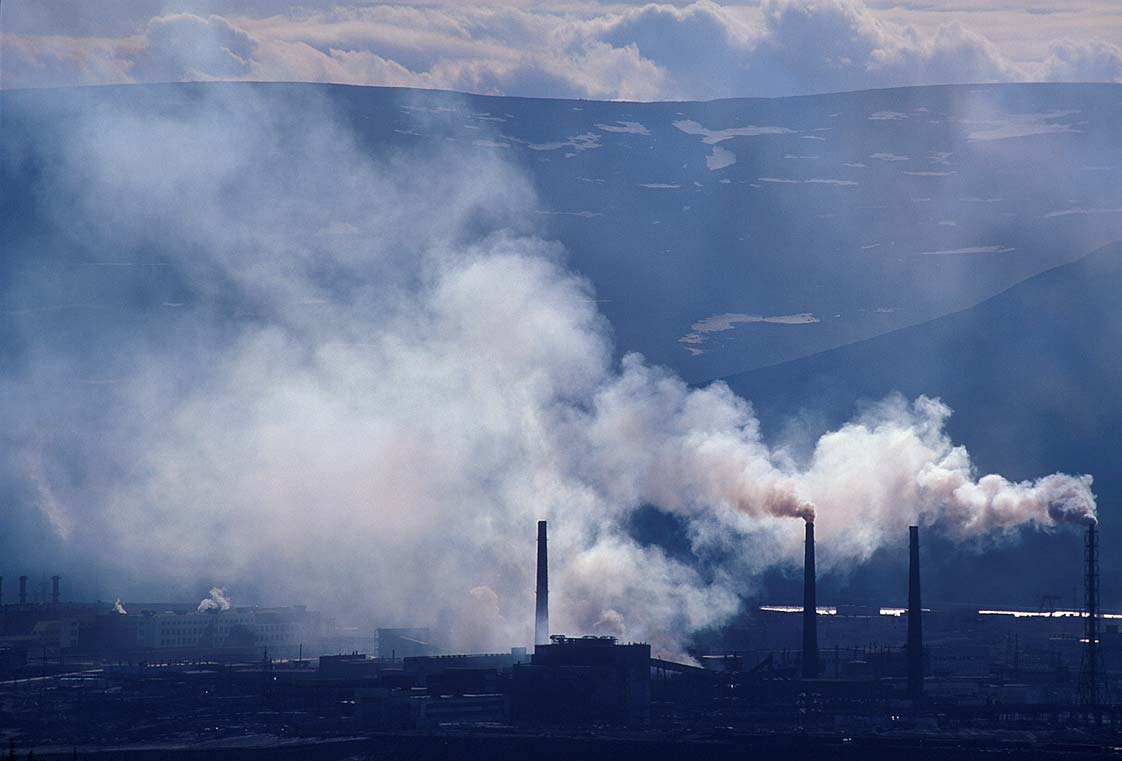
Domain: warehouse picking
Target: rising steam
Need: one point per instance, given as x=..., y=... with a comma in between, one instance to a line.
x=377, y=378
x=216, y=600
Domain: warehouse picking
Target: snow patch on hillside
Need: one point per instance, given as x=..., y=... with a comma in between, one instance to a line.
x=714, y=136
x=720, y=158
x=718, y=323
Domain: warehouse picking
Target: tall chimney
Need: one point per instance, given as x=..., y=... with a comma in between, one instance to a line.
x=54, y=589
x=22, y=590
x=915, y=618
x=810, y=608
x=541, y=619
x=1, y=590
x=1092, y=656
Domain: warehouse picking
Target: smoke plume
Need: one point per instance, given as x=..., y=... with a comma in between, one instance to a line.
x=216, y=600
x=362, y=380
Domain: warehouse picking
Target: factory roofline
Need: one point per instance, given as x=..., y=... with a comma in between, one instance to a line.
x=588, y=639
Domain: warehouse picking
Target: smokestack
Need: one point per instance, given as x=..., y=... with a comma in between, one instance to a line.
x=54, y=589
x=1092, y=656
x=541, y=619
x=22, y=590
x=1, y=590
x=915, y=618
x=810, y=608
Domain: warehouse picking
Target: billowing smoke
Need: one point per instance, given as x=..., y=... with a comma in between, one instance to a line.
x=895, y=466
x=216, y=600
x=366, y=378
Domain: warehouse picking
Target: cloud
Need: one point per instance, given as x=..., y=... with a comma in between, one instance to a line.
x=647, y=52
x=702, y=47
x=186, y=47
x=1083, y=61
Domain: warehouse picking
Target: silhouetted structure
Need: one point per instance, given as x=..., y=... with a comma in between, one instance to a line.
x=22, y=590
x=583, y=680
x=1092, y=655
x=54, y=590
x=915, y=618
x=541, y=616
x=810, y=608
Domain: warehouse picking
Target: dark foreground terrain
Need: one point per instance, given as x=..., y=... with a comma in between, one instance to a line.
x=593, y=746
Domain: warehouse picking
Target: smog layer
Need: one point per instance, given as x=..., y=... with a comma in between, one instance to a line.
x=293, y=369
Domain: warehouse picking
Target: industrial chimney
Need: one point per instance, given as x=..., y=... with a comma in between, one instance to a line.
x=915, y=618
x=541, y=618
x=54, y=590
x=22, y=590
x=1092, y=655
x=1, y=590
x=810, y=608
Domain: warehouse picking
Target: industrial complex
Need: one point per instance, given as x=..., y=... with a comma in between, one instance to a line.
x=827, y=679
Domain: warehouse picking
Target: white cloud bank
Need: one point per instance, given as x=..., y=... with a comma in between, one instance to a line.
x=649, y=52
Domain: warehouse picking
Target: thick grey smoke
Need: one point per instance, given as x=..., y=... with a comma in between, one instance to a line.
x=379, y=378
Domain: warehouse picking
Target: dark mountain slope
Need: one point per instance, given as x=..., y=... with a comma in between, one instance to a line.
x=869, y=211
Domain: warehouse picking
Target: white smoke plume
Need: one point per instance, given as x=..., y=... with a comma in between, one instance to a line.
x=896, y=466
x=216, y=600
x=379, y=379
x=119, y=608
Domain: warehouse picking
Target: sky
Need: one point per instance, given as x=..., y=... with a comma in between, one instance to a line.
x=608, y=51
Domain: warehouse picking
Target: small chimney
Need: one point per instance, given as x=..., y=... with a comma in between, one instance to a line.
x=915, y=618
x=541, y=618
x=22, y=590
x=810, y=608
x=54, y=589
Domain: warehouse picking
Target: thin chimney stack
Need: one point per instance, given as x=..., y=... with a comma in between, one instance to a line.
x=22, y=590
x=810, y=608
x=541, y=618
x=915, y=618
x=54, y=589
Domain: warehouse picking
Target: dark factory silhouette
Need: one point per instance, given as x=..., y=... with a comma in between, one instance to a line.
x=150, y=672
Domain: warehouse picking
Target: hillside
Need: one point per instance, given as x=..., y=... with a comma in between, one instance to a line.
x=720, y=236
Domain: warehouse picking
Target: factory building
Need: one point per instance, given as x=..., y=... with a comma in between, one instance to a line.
x=164, y=630
x=811, y=667
x=583, y=680
x=281, y=631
